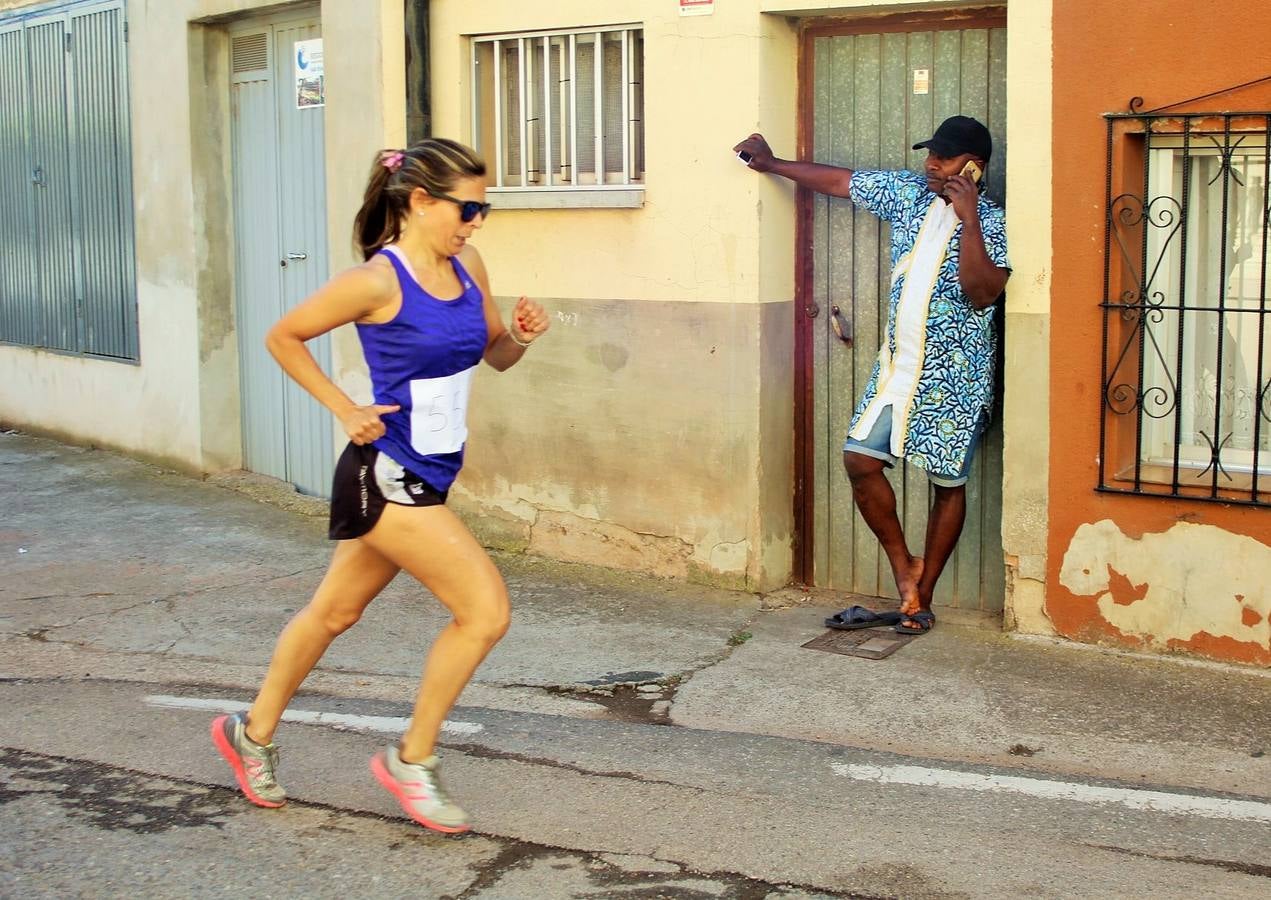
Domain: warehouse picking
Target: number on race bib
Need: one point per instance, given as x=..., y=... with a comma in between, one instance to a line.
x=439, y=409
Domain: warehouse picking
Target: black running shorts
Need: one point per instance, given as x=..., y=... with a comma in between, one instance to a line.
x=365, y=479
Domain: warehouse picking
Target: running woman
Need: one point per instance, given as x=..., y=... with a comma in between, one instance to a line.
x=425, y=317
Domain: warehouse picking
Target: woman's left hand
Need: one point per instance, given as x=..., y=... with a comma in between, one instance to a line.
x=529, y=320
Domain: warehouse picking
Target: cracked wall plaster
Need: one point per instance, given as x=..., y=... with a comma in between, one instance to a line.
x=1193, y=587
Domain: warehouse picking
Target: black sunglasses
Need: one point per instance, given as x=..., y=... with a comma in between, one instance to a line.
x=468, y=209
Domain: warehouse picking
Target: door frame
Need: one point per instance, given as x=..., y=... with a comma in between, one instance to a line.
x=805, y=309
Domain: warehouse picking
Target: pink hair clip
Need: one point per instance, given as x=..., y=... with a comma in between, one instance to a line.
x=392, y=159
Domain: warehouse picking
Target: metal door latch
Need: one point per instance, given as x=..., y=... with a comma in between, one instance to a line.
x=37, y=177
x=841, y=324
x=292, y=256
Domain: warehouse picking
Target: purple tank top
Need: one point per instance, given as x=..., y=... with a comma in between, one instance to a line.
x=423, y=361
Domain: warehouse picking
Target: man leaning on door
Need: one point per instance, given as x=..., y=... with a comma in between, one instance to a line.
x=931, y=390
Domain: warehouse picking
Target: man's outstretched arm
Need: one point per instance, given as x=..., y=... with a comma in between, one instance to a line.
x=818, y=177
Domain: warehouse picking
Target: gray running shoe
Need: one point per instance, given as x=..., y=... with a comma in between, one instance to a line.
x=254, y=766
x=418, y=789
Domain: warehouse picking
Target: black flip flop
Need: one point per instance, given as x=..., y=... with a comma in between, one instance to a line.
x=855, y=617
x=925, y=618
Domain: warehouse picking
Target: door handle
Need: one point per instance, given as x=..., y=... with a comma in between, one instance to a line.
x=841, y=324
x=292, y=256
x=37, y=177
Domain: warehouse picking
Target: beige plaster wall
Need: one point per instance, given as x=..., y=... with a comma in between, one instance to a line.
x=1026, y=416
x=697, y=236
x=653, y=429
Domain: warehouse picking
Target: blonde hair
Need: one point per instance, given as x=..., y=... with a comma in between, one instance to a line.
x=435, y=164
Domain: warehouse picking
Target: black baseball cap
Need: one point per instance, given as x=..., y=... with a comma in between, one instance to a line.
x=957, y=135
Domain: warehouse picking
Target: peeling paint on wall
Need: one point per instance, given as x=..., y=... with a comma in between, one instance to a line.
x=1193, y=587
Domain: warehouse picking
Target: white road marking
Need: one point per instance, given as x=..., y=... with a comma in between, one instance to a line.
x=382, y=724
x=1152, y=801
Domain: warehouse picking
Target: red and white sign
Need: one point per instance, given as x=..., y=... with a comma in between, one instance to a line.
x=697, y=7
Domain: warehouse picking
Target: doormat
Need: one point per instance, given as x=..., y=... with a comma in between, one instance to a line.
x=868, y=643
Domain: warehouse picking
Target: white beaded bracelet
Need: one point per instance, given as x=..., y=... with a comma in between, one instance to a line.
x=517, y=342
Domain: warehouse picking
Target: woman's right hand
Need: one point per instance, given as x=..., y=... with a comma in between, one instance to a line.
x=362, y=423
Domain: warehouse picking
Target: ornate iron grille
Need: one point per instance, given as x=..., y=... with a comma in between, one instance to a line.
x=1186, y=380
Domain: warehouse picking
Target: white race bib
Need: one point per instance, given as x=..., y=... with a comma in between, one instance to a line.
x=439, y=412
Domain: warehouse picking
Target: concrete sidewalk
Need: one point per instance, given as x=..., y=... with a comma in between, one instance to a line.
x=114, y=569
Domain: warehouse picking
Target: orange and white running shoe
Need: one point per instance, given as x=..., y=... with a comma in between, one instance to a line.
x=417, y=787
x=254, y=766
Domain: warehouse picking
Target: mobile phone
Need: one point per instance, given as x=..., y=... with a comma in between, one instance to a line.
x=972, y=171
x=744, y=156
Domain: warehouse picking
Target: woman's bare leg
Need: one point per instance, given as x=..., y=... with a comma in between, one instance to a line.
x=433, y=545
x=355, y=577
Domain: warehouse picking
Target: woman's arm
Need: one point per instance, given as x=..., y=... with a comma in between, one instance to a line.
x=504, y=348
x=350, y=296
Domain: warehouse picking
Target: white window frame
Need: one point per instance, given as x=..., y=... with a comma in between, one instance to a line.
x=558, y=183
x=1166, y=157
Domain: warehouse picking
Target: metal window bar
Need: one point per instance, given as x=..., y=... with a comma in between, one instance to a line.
x=1222, y=306
x=564, y=88
x=626, y=107
x=547, y=111
x=500, y=121
x=598, y=60
x=1143, y=313
x=526, y=110
x=1186, y=264
x=573, y=109
x=474, y=82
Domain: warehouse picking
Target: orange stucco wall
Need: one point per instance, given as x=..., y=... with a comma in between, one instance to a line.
x=1190, y=560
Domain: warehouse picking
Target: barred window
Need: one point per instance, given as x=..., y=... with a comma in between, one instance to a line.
x=558, y=116
x=1187, y=327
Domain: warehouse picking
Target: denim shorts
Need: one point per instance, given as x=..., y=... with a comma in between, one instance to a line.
x=878, y=445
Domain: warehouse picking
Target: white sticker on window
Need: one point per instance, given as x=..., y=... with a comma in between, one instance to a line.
x=439, y=409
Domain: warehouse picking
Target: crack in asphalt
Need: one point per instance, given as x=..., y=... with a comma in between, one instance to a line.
x=1255, y=869
x=483, y=752
x=108, y=796
x=168, y=599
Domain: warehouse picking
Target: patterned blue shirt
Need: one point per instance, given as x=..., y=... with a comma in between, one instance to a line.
x=955, y=384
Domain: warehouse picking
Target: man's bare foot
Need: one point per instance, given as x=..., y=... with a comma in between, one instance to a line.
x=907, y=584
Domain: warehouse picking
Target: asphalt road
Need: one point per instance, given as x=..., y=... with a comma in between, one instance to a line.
x=110, y=788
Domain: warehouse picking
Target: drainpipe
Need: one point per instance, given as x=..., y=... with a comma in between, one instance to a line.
x=418, y=80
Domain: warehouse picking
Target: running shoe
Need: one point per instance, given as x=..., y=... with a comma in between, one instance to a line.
x=254, y=766
x=417, y=787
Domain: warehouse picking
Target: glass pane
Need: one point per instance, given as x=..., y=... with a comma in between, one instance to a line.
x=613, y=105
x=485, y=131
x=585, y=69
x=560, y=109
x=512, y=113
x=1221, y=375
